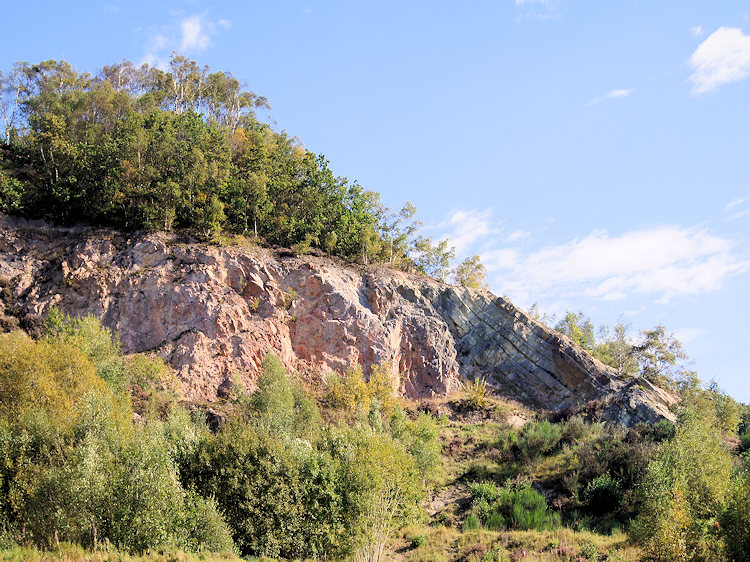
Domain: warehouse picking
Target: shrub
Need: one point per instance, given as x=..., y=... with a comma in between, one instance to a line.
x=471, y=522
x=684, y=487
x=734, y=518
x=289, y=297
x=42, y=377
x=349, y=391
x=477, y=393
x=281, y=406
x=538, y=438
x=484, y=491
x=603, y=494
x=512, y=507
x=575, y=430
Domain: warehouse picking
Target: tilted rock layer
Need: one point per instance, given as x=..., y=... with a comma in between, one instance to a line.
x=213, y=313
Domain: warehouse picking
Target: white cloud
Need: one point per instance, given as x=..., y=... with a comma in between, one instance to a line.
x=697, y=31
x=517, y=235
x=622, y=93
x=724, y=57
x=663, y=262
x=690, y=335
x=519, y=2
x=734, y=203
x=466, y=227
x=195, y=36
x=189, y=34
x=732, y=207
x=738, y=215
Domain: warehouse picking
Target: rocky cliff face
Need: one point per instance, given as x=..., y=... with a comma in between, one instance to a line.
x=213, y=313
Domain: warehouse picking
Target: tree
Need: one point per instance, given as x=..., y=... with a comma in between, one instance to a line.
x=542, y=317
x=397, y=230
x=433, y=259
x=659, y=354
x=471, y=273
x=578, y=327
x=683, y=491
x=12, y=90
x=617, y=351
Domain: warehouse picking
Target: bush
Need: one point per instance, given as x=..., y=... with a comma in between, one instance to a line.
x=575, y=430
x=603, y=495
x=685, y=485
x=471, y=522
x=281, y=406
x=477, y=393
x=39, y=377
x=512, y=507
x=734, y=518
x=538, y=438
x=484, y=491
x=349, y=391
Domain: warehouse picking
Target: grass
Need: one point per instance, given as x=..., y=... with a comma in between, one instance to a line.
x=445, y=543
x=68, y=552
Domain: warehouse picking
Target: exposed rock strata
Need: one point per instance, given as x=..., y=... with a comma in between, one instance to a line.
x=213, y=313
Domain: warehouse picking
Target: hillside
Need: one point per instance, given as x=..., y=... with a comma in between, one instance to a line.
x=213, y=313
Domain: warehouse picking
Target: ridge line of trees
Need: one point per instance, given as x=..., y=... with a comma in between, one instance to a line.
x=141, y=148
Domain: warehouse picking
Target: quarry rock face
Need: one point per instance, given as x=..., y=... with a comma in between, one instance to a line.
x=213, y=313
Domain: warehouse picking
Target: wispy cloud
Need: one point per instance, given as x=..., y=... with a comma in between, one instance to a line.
x=734, y=203
x=724, y=57
x=733, y=207
x=519, y=2
x=690, y=335
x=194, y=34
x=662, y=263
x=697, y=31
x=463, y=228
x=517, y=235
x=622, y=93
x=187, y=34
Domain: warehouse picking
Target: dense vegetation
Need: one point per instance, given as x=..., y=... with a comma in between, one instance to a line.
x=141, y=148
x=97, y=451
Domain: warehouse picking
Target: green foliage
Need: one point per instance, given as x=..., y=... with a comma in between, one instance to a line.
x=471, y=273
x=421, y=438
x=618, y=351
x=146, y=148
x=349, y=391
x=579, y=328
x=42, y=378
x=11, y=194
x=660, y=355
x=735, y=516
x=433, y=258
x=603, y=494
x=512, y=507
x=683, y=490
x=352, y=394
x=281, y=406
x=477, y=393
x=538, y=438
x=73, y=467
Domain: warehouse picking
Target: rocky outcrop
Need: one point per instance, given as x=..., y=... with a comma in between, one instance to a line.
x=213, y=313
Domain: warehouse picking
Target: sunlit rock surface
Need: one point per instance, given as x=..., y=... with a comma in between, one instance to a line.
x=213, y=313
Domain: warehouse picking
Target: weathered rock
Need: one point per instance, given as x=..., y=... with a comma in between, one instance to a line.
x=213, y=313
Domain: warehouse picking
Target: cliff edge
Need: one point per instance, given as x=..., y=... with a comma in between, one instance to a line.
x=213, y=312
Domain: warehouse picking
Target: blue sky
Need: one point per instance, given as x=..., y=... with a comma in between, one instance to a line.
x=595, y=154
